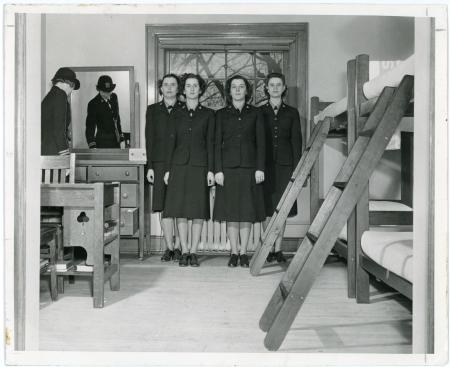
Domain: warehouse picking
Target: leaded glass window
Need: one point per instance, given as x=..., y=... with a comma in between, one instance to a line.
x=216, y=66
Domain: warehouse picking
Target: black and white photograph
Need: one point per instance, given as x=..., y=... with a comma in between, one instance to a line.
x=225, y=184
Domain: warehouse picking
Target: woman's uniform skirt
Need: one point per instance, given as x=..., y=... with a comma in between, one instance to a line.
x=187, y=194
x=276, y=180
x=159, y=187
x=240, y=199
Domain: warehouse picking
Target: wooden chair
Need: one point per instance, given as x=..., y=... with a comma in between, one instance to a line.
x=57, y=169
x=91, y=221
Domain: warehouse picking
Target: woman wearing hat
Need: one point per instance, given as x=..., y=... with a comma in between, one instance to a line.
x=156, y=123
x=55, y=113
x=190, y=166
x=103, y=128
x=283, y=150
x=239, y=165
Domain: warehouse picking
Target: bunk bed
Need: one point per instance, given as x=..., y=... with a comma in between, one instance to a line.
x=388, y=222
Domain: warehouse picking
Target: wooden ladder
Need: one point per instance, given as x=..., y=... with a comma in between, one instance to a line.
x=290, y=195
x=334, y=212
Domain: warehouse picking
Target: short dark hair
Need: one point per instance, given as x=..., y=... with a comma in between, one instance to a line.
x=170, y=75
x=201, y=83
x=248, y=87
x=274, y=75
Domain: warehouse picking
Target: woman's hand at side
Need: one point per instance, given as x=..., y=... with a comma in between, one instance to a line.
x=219, y=178
x=210, y=178
x=259, y=177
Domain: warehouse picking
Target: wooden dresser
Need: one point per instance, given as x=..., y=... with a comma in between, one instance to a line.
x=114, y=165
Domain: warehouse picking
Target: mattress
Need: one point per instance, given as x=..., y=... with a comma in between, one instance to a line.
x=384, y=206
x=392, y=250
x=388, y=206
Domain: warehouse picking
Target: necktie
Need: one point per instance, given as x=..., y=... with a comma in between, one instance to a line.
x=275, y=110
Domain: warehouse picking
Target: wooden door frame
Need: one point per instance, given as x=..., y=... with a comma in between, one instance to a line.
x=291, y=37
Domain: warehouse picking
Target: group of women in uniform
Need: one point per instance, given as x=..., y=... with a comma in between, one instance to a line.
x=249, y=153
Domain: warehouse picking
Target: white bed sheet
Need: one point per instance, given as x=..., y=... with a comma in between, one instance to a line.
x=383, y=205
x=392, y=250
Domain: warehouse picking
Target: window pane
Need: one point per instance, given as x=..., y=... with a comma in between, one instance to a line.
x=268, y=62
x=240, y=63
x=214, y=95
x=180, y=63
x=211, y=65
x=260, y=97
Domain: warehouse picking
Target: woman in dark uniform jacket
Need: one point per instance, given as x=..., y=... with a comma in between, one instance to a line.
x=103, y=129
x=239, y=165
x=283, y=149
x=55, y=113
x=157, y=120
x=190, y=166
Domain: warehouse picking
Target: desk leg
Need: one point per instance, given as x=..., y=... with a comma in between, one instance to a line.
x=99, y=269
x=141, y=213
x=60, y=256
x=114, y=281
x=53, y=281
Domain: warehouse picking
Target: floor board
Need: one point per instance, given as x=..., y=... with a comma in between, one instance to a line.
x=162, y=307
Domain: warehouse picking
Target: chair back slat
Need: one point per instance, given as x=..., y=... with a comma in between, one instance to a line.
x=58, y=169
x=47, y=176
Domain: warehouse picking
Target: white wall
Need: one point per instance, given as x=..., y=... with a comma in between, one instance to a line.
x=119, y=40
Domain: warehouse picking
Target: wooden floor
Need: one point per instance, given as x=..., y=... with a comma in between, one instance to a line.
x=162, y=307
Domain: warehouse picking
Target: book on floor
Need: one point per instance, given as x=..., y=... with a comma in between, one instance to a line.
x=65, y=265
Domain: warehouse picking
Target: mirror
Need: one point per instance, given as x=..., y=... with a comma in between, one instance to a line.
x=123, y=77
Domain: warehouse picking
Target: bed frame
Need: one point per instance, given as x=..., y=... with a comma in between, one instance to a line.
x=347, y=124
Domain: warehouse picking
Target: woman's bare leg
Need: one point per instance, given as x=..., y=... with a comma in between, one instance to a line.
x=233, y=236
x=244, y=232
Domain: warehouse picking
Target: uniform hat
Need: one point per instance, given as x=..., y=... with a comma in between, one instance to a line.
x=105, y=84
x=67, y=74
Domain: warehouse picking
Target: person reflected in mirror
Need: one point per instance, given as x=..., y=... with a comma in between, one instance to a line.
x=189, y=166
x=283, y=150
x=103, y=129
x=156, y=122
x=239, y=166
x=56, y=113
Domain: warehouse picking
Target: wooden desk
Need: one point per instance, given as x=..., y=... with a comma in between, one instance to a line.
x=88, y=210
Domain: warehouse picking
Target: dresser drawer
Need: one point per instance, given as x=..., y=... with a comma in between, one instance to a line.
x=129, y=221
x=128, y=195
x=98, y=173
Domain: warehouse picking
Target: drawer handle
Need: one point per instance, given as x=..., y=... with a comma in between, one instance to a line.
x=97, y=173
x=125, y=195
x=127, y=173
